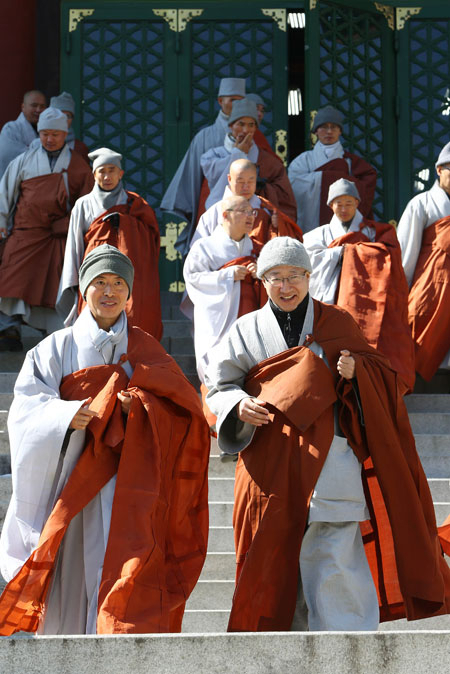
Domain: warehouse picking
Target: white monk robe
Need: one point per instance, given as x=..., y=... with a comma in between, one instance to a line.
x=31, y=164
x=216, y=166
x=15, y=138
x=183, y=192
x=37, y=424
x=212, y=290
x=85, y=211
x=338, y=495
x=422, y=211
x=326, y=262
x=213, y=216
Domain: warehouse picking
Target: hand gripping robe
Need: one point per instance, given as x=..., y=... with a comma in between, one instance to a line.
x=36, y=202
x=366, y=278
x=107, y=528
x=280, y=467
x=312, y=173
x=424, y=236
x=130, y=225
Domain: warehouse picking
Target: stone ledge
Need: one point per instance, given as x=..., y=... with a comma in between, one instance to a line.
x=244, y=653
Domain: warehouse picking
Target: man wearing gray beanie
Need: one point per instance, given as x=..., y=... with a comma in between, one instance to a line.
x=422, y=233
x=312, y=172
x=37, y=193
x=357, y=265
x=109, y=428
x=124, y=219
x=302, y=396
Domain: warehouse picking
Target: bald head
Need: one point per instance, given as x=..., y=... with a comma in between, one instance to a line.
x=237, y=217
x=242, y=178
x=34, y=102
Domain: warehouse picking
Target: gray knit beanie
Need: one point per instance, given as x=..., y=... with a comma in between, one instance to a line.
x=327, y=115
x=52, y=119
x=444, y=156
x=282, y=250
x=244, y=107
x=341, y=188
x=105, y=259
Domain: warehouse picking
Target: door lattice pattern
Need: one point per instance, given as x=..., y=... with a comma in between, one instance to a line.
x=351, y=80
x=429, y=73
x=122, y=97
x=231, y=49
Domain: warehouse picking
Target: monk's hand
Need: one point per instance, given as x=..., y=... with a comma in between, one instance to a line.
x=251, y=410
x=83, y=416
x=240, y=272
x=274, y=220
x=245, y=144
x=346, y=365
x=125, y=399
x=251, y=268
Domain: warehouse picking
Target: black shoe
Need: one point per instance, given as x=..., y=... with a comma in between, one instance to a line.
x=10, y=340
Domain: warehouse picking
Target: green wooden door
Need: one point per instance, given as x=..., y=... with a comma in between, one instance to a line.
x=145, y=78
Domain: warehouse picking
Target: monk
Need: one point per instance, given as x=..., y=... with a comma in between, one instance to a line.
x=357, y=265
x=17, y=135
x=424, y=235
x=107, y=527
x=111, y=214
x=37, y=193
x=333, y=518
x=66, y=103
x=312, y=172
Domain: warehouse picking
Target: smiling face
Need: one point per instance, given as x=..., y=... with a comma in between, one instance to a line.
x=33, y=104
x=289, y=295
x=344, y=207
x=106, y=297
x=52, y=139
x=108, y=176
x=328, y=133
x=241, y=127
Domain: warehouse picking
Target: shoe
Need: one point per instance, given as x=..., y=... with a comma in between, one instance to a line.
x=10, y=340
x=226, y=458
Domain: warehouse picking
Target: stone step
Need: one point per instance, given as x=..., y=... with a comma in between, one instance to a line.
x=430, y=422
x=430, y=402
x=243, y=653
x=178, y=328
x=434, y=453
x=178, y=345
x=219, y=565
x=208, y=594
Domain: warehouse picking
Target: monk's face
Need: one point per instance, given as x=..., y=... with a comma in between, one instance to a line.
x=226, y=103
x=106, y=297
x=242, y=183
x=239, y=221
x=344, y=207
x=328, y=133
x=69, y=116
x=286, y=286
x=33, y=104
x=52, y=139
x=108, y=176
x=444, y=177
x=242, y=127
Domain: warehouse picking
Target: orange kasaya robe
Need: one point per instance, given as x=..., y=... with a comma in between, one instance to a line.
x=34, y=251
x=136, y=234
x=429, y=299
x=159, y=524
x=374, y=290
x=276, y=474
x=361, y=173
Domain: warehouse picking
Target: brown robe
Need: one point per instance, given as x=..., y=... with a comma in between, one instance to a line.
x=136, y=235
x=159, y=524
x=34, y=252
x=429, y=299
x=361, y=173
x=276, y=474
x=374, y=290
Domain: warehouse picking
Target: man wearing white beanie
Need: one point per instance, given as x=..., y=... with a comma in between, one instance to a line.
x=312, y=409
x=66, y=104
x=357, y=265
x=37, y=193
x=423, y=235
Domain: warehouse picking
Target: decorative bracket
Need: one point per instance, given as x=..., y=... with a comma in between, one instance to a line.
x=388, y=13
x=402, y=14
x=173, y=230
x=177, y=18
x=77, y=15
x=177, y=287
x=313, y=4
x=278, y=15
x=281, y=145
x=313, y=136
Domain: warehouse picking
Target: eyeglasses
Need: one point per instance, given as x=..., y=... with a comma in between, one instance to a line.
x=293, y=280
x=249, y=213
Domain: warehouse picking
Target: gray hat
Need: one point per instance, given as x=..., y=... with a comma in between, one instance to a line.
x=329, y=115
x=52, y=119
x=255, y=97
x=63, y=102
x=342, y=187
x=444, y=156
x=282, y=250
x=105, y=259
x=243, y=108
x=104, y=156
x=232, y=86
